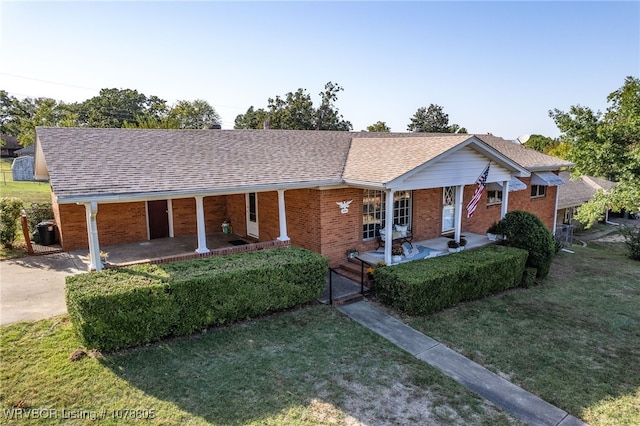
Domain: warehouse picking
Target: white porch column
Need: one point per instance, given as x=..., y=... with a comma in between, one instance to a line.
x=505, y=199
x=202, y=233
x=91, y=210
x=388, y=225
x=458, y=224
x=282, y=215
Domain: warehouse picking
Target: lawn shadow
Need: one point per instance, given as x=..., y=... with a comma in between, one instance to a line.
x=312, y=364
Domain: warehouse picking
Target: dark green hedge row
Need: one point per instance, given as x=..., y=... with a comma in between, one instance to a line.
x=429, y=285
x=123, y=307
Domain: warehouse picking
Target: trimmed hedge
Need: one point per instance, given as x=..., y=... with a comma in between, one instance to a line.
x=429, y=285
x=117, y=308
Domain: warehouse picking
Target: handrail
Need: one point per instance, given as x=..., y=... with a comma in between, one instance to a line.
x=362, y=262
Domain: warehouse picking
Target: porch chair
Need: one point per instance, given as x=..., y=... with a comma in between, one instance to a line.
x=401, y=234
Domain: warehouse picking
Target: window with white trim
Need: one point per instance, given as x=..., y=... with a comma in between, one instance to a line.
x=373, y=211
x=494, y=197
x=538, y=191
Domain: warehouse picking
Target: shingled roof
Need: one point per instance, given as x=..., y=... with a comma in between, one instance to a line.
x=577, y=191
x=529, y=158
x=120, y=164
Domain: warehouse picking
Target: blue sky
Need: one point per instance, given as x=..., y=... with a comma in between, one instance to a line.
x=494, y=66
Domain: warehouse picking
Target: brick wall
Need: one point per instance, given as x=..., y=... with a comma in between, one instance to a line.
x=121, y=223
x=72, y=225
x=215, y=212
x=340, y=231
x=184, y=217
x=426, y=216
x=236, y=212
x=117, y=224
x=543, y=207
x=303, y=213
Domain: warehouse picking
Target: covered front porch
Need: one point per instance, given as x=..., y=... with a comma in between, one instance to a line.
x=162, y=250
x=427, y=248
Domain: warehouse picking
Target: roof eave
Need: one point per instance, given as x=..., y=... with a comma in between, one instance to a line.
x=164, y=195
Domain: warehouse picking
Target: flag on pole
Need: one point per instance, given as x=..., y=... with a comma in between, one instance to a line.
x=481, y=181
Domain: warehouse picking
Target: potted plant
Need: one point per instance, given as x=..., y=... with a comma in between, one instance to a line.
x=453, y=246
x=463, y=243
x=493, y=231
x=397, y=252
x=352, y=252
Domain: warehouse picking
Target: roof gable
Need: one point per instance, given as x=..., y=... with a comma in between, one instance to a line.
x=425, y=162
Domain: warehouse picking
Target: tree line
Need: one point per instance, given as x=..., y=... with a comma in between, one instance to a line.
x=127, y=108
x=119, y=108
x=599, y=144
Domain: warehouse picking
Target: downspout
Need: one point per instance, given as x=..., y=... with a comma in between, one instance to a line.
x=555, y=211
x=505, y=199
x=91, y=210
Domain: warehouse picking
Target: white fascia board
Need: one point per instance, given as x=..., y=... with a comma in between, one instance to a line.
x=164, y=195
x=365, y=184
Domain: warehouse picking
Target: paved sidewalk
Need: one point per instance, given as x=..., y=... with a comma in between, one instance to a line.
x=504, y=394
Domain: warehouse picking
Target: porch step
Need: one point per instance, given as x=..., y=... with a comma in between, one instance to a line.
x=352, y=271
x=345, y=300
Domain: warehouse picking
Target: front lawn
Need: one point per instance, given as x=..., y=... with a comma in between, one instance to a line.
x=574, y=340
x=307, y=366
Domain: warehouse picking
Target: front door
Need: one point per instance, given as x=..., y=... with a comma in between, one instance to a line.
x=252, y=214
x=158, y=215
x=448, y=208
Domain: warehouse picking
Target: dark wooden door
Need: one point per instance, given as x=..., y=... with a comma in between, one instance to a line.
x=158, y=219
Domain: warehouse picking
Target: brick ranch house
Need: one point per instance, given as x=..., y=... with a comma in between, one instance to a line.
x=115, y=186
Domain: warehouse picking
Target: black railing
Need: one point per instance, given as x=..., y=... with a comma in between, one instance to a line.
x=331, y=272
x=362, y=262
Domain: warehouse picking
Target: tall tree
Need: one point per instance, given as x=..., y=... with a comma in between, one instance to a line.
x=606, y=145
x=196, y=114
x=433, y=120
x=379, y=126
x=112, y=107
x=295, y=111
x=541, y=143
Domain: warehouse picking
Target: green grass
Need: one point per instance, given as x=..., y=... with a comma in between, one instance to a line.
x=307, y=366
x=574, y=340
x=28, y=192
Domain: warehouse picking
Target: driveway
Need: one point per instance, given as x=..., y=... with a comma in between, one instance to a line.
x=32, y=288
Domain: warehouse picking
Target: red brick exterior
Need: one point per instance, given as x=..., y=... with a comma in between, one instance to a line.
x=314, y=220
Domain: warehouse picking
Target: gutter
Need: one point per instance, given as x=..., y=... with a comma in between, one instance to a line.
x=164, y=195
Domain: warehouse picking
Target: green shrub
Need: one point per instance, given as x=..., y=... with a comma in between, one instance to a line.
x=429, y=285
x=38, y=212
x=10, y=210
x=526, y=231
x=129, y=306
x=632, y=239
x=529, y=277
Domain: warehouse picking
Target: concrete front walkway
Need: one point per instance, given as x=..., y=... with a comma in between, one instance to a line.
x=504, y=394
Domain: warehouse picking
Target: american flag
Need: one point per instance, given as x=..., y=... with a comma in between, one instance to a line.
x=481, y=181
